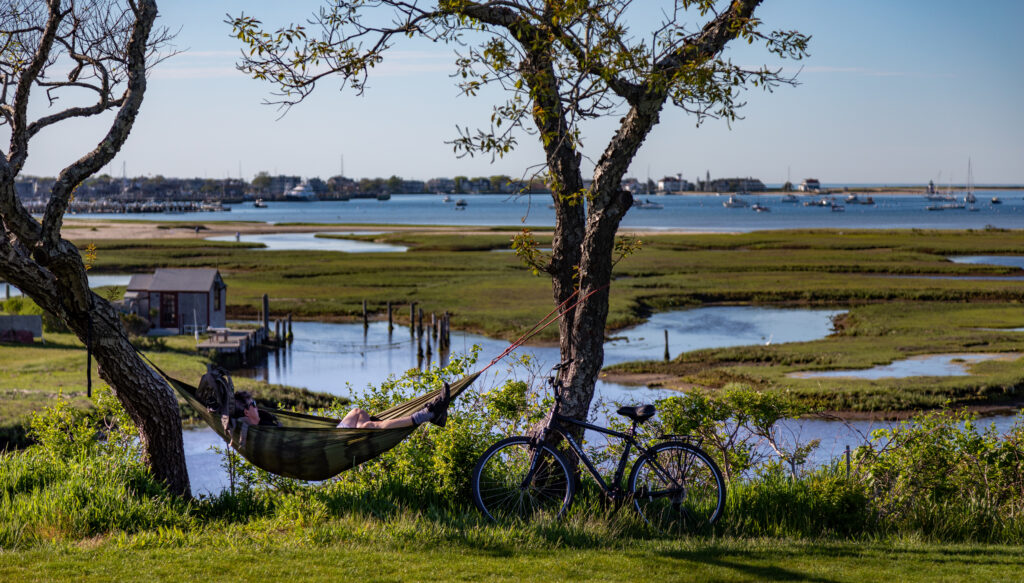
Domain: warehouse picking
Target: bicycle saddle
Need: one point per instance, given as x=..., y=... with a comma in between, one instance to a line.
x=638, y=414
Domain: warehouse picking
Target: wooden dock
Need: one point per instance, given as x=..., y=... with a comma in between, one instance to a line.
x=229, y=342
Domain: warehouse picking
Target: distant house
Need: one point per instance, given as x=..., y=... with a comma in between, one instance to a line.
x=809, y=185
x=22, y=329
x=179, y=300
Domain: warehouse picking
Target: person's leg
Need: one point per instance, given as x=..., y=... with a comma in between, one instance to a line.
x=354, y=418
x=388, y=423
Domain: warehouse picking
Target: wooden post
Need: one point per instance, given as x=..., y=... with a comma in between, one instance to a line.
x=266, y=313
x=433, y=325
x=446, y=330
x=666, y=346
x=412, y=319
x=847, y=461
x=8, y=291
x=419, y=326
x=391, y=322
x=366, y=321
x=277, y=331
x=290, y=327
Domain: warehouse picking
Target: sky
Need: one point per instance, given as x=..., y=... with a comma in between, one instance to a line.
x=894, y=92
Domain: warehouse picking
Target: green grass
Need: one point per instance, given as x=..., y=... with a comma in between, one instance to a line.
x=33, y=376
x=325, y=554
x=492, y=293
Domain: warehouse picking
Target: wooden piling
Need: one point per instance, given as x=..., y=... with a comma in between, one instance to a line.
x=266, y=313
x=412, y=319
x=290, y=336
x=391, y=322
x=666, y=346
x=433, y=326
x=419, y=326
x=277, y=331
x=366, y=320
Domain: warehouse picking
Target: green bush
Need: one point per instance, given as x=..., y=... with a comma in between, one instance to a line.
x=84, y=477
x=946, y=475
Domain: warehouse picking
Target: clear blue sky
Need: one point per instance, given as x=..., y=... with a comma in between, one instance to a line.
x=894, y=92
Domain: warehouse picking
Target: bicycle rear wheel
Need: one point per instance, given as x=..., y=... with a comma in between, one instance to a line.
x=504, y=488
x=676, y=488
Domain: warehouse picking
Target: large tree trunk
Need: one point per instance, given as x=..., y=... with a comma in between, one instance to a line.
x=33, y=255
x=57, y=282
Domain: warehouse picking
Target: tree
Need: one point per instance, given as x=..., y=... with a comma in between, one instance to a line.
x=73, y=59
x=561, y=63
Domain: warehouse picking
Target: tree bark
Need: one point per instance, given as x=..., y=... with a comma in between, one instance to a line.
x=50, y=270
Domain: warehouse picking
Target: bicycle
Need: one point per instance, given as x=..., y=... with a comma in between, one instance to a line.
x=674, y=485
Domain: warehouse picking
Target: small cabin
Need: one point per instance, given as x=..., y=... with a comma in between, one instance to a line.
x=179, y=301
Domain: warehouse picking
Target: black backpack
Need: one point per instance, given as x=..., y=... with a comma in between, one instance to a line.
x=217, y=391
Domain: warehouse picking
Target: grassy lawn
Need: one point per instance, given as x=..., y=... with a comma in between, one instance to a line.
x=312, y=556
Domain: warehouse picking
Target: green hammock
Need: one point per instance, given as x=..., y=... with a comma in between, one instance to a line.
x=307, y=447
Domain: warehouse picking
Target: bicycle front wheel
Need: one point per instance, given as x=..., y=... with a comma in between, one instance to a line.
x=515, y=480
x=676, y=488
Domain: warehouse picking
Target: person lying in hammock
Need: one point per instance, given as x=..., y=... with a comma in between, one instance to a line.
x=435, y=412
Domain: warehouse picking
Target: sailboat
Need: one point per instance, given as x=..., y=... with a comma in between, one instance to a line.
x=970, y=198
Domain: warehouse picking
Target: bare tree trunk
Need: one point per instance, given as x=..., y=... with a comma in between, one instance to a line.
x=33, y=255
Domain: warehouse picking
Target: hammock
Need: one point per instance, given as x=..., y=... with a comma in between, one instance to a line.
x=307, y=447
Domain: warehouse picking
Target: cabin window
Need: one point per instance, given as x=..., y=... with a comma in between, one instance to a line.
x=217, y=291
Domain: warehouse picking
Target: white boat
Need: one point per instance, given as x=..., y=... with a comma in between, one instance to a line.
x=258, y=203
x=790, y=198
x=995, y=200
x=758, y=207
x=735, y=203
x=303, y=192
x=446, y=198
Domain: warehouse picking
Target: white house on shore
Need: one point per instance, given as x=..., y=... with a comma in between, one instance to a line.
x=178, y=301
x=809, y=185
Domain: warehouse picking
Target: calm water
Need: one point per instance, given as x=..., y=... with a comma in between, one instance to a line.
x=946, y=365
x=341, y=359
x=691, y=212
x=311, y=242
x=1007, y=260
x=95, y=281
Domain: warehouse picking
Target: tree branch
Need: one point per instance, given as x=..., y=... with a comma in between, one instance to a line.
x=73, y=175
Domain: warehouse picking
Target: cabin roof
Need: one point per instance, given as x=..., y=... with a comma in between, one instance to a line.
x=175, y=280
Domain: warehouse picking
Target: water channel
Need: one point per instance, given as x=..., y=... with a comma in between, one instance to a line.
x=343, y=359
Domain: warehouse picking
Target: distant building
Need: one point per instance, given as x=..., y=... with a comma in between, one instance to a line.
x=179, y=301
x=809, y=185
x=672, y=184
x=747, y=184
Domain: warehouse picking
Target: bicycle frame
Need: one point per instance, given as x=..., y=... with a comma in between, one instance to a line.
x=557, y=423
x=613, y=490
